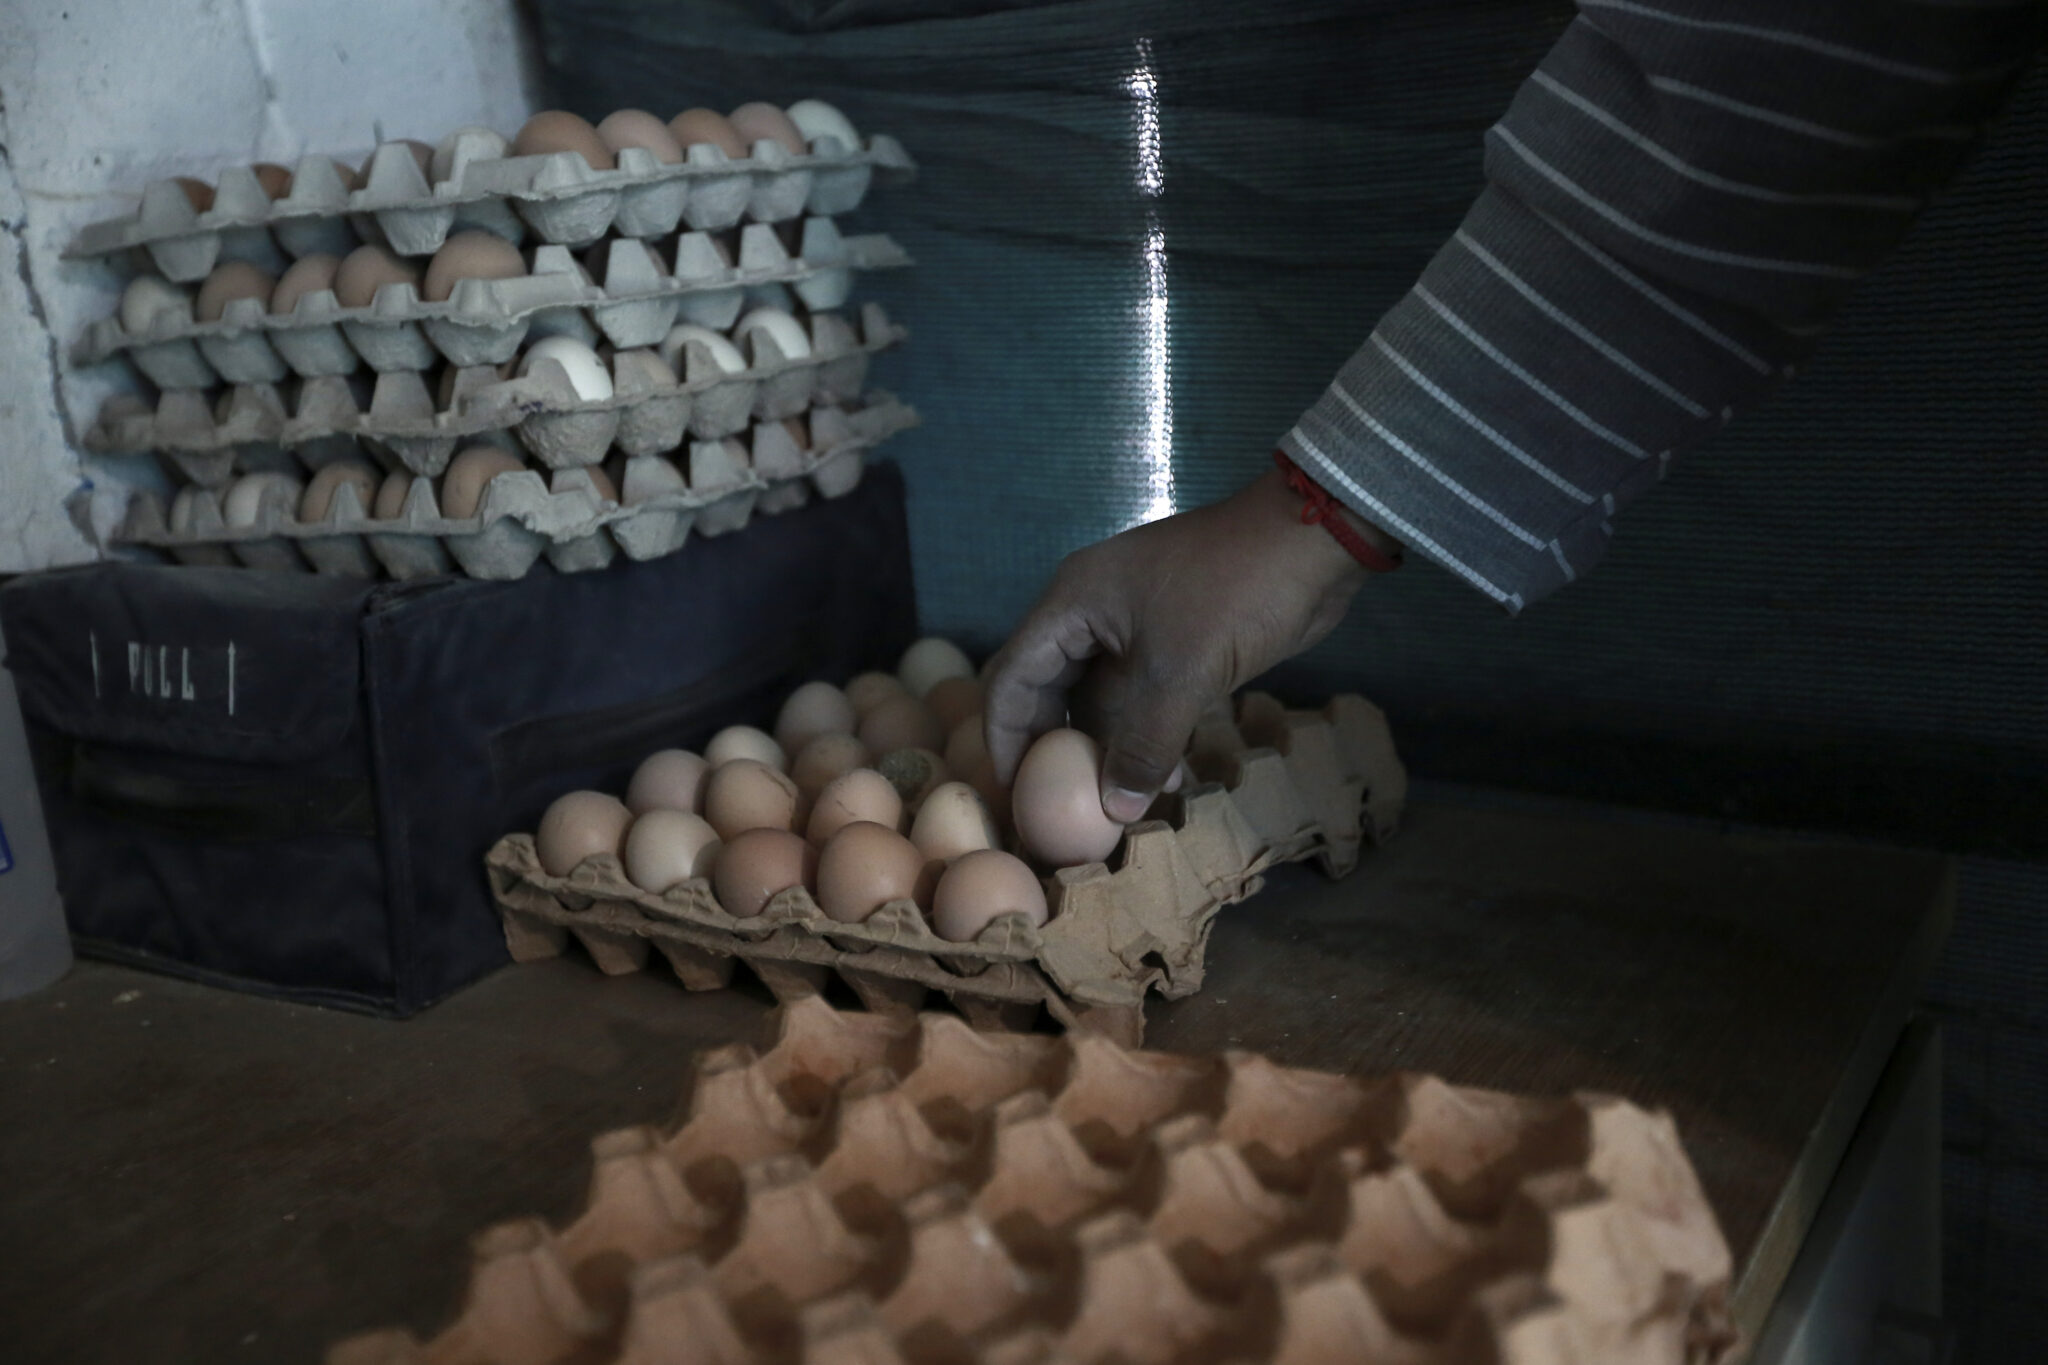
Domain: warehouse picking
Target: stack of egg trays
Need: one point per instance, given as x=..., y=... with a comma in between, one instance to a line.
x=484, y=322
x=519, y=517
x=557, y=195
x=1270, y=786
x=906, y=1191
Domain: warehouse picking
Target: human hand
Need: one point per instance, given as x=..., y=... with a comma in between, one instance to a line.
x=1140, y=632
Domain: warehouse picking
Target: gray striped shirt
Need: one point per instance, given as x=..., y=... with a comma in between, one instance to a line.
x=1677, y=201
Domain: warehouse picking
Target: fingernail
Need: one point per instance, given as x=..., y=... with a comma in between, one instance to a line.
x=1124, y=805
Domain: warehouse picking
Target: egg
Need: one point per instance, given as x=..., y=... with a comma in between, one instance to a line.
x=759, y=121
x=953, y=820
x=915, y=773
x=707, y=125
x=623, y=128
x=1057, y=801
x=869, y=690
x=391, y=495
x=256, y=498
x=777, y=324
x=150, y=302
x=600, y=482
x=747, y=794
x=366, y=270
x=558, y=130
x=825, y=758
x=485, y=144
x=185, y=508
x=850, y=798
x=930, y=661
x=472, y=469
x=198, y=193
x=330, y=479
x=981, y=885
x=751, y=868
x=966, y=745
x=587, y=375
x=665, y=847
x=864, y=867
x=668, y=779
x=471, y=255
x=644, y=370
x=816, y=708
x=901, y=723
x=954, y=701
x=578, y=825
x=815, y=119
x=725, y=355
x=229, y=281
x=275, y=180
x=744, y=741
x=650, y=476
x=307, y=275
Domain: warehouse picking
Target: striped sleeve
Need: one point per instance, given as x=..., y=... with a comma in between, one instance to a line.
x=1677, y=201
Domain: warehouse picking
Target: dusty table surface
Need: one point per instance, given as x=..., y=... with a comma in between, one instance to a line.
x=194, y=1174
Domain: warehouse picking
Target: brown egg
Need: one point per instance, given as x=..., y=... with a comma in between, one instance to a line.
x=1057, y=801
x=760, y=121
x=799, y=431
x=869, y=690
x=462, y=487
x=966, y=745
x=391, y=495
x=320, y=490
x=824, y=758
x=707, y=125
x=602, y=482
x=623, y=128
x=980, y=886
x=750, y=868
x=470, y=256
x=578, y=825
x=668, y=779
x=275, y=179
x=850, y=798
x=915, y=773
x=306, y=275
x=366, y=270
x=744, y=741
x=229, y=281
x=902, y=723
x=866, y=866
x=951, y=821
x=747, y=794
x=558, y=130
x=665, y=847
x=954, y=700
x=198, y=193
x=816, y=708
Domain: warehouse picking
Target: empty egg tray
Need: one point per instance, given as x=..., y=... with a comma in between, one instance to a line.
x=519, y=517
x=483, y=322
x=906, y=1191
x=1298, y=784
x=208, y=439
x=558, y=196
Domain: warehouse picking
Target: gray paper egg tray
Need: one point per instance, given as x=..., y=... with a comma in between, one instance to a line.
x=208, y=439
x=519, y=517
x=558, y=196
x=484, y=322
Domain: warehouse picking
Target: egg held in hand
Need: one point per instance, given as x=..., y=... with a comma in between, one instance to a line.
x=1056, y=801
x=577, y=825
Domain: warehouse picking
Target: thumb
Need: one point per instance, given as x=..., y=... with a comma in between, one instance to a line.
x=1143, y=752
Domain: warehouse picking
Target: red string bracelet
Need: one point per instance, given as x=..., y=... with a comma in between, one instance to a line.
x=1318, y=506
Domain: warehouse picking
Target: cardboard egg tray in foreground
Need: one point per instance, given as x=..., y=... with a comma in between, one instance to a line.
x=519, y=517
x=1310, y=785
x=210, y=439
x=905, y=1191
x=485, y=321
x=558, y=195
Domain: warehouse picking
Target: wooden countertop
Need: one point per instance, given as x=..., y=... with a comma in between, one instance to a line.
x=191, y=1173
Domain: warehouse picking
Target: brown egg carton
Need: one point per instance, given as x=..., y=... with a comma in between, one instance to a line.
x=1310, y=784
x=209, y=438
x=520, y=517
x=558, y=196
x=901, y=1190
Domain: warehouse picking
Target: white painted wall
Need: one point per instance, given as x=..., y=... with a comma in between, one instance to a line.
x=99, y=97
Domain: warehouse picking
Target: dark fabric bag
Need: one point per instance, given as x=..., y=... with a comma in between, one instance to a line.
x=286, y=783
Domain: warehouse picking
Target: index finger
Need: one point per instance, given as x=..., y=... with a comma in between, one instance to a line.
x=1029, y=680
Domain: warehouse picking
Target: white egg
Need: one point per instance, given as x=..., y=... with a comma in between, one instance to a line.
x=724, y=354
x=149, y=303
x=787, y=333
x=744, y=741
x=930, y=662
x=664, y=847
x=587, y=374
x=254, y=497
x=816, y=119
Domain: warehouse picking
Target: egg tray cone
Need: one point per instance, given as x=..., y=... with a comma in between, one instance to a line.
x=1319, y=785
x=557, y=196
x=484, y=322
x=901, y=1190
x=209, y=439
x=520, y=518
